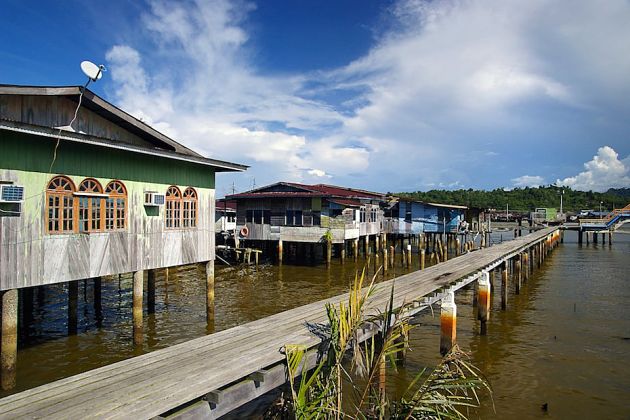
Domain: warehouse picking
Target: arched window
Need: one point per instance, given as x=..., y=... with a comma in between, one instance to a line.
x=189, y=217
x=60, y=205
x=116, y=206
x=90, y=199
x=173, y=207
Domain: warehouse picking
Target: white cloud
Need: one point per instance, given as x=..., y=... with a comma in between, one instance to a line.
x=604, y=171
x=528, y=181
x=451, y=77
x=318, y=173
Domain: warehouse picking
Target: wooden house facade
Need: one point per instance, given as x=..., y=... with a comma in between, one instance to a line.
x=84, y=211
x=410, y=217
x=298, y=213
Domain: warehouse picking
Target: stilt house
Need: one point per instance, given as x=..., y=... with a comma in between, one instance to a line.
x=107, y=195
x=404, y=216
x=292, y=212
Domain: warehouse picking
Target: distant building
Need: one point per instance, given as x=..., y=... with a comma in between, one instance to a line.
x=405, y=216
x=225, y=217
x=287, y=212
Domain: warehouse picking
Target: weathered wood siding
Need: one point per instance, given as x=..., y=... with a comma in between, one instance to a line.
x=29, y=256
x=57, y=111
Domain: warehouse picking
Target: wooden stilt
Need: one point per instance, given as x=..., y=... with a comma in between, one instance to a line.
x=409, y=255
x=73, y=298
x=138, y=290
x=210, y=292
x=280, y=251
x=367, y=245
x=151, y=291
x=483, y=301
x=504, y=285
x=342, y=251
x=448, y=323
x=98, y=301
x=517, y=273
x=385, y=261
x=329, y=246
x=422, y=252
x=392, y=251
x=8, y=352
x=355, y=249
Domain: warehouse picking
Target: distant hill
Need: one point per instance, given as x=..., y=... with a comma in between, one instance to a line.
x=620, y=192
x=527, y=199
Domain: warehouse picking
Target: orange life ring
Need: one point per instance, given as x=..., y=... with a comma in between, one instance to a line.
x=244, y=231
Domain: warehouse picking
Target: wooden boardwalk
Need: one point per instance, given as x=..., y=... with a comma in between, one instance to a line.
x=154, y=383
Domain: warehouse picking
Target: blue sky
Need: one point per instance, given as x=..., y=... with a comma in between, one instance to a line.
x=384, y=95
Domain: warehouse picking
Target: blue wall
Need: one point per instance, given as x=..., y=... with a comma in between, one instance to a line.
x=425, y=218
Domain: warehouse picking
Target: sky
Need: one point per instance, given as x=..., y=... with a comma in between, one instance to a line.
x=390, y=96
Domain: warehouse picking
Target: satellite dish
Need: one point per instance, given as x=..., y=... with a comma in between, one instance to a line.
x=92, y=71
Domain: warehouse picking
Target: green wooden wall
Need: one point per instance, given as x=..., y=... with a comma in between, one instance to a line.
x=30, y=153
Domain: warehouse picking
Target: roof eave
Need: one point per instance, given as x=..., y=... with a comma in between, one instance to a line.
x=218, y=165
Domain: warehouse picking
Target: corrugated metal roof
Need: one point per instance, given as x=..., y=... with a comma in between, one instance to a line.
x=114, y=114
x=46, y=132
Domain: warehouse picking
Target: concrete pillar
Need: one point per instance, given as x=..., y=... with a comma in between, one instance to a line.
x=409, y=255
x=367, y=245
x=483, y=301
x=342, y=253
x=610, y=238
x=445, y=251
x=504, y=285
x=448, y=323
x=422, y=255
x=151, y=291
x=138, y=286
x=73, y=298
x=377, y=244
x=210, y=292
x=8, y=352
x=355, y=249
x=280, y=251
x=457, y=247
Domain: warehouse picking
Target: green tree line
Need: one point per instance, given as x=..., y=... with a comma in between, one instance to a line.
x=527, y=199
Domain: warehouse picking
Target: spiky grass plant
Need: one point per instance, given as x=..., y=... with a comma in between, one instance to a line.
x=443, y=393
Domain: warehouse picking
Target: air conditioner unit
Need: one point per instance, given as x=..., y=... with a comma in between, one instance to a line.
x=154, y=199
x=10, y=193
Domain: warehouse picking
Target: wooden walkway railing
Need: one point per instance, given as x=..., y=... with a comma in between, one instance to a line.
x=152, y=384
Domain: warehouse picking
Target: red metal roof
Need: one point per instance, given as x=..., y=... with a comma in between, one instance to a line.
x=346, y=202
x=318, y=190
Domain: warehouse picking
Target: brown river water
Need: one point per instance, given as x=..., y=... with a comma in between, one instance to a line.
x=564, y=340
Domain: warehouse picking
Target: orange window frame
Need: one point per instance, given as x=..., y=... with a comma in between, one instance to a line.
x=116, y=192
x=190, y=207
x=173, y=213
x=94, y=224
x=61, y=188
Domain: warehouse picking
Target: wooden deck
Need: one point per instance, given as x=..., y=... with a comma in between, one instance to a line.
x=154, y=383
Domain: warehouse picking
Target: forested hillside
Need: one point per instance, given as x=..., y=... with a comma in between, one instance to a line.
x=527, y=198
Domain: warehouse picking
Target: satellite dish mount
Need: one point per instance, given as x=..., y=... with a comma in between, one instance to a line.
x=92, y=71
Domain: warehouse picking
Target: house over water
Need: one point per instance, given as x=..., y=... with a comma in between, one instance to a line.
x=411, y=217
x=104, y=196
x=307, y=216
